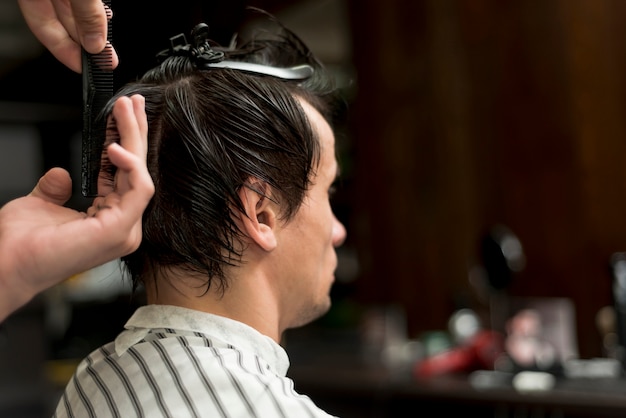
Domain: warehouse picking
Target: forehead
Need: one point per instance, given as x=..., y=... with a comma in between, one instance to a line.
x=328, y=161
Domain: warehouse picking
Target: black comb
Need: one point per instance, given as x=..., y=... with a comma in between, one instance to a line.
x=97, y=74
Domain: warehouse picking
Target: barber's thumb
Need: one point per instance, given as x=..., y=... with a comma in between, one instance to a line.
x=55, y=186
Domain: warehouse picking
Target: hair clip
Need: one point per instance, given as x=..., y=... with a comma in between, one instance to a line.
x=205, y=57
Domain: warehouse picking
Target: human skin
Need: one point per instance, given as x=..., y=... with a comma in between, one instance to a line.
x=64, y=26
x=42, y=242
x=287, y=268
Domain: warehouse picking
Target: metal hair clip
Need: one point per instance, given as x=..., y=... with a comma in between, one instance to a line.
x=206, y=57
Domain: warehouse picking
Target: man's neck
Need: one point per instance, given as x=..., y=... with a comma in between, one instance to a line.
x=252, y=305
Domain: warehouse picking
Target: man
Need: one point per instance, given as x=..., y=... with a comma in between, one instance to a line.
x=238, y=242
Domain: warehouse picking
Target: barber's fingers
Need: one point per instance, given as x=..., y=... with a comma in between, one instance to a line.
x=119, y=212
x=62, y=26
x=41, y=18
x=63, y=12
x=127, y=125
x=55, y=186
x=132, y=124
x=90, y=22
x=87, y=22
x=132, y=179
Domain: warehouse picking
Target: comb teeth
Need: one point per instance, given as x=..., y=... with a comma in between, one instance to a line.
x=97, y=75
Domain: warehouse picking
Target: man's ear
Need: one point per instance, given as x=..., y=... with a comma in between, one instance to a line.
x=260, y=217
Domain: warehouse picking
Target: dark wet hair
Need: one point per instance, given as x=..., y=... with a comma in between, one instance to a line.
x=210, y=131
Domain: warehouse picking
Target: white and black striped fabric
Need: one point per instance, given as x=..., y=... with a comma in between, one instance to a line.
x=177, y=362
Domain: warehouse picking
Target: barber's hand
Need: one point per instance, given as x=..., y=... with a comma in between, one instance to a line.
x=42, y=242
x=63, y=26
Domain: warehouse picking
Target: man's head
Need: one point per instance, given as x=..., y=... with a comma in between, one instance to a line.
x=221, y=140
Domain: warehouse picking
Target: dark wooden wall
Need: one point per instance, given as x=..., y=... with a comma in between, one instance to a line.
x=471, y=113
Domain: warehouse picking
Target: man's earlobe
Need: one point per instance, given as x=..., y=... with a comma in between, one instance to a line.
x=259, y=219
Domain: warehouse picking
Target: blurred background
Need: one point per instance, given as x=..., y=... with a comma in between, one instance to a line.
x=482, y=159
